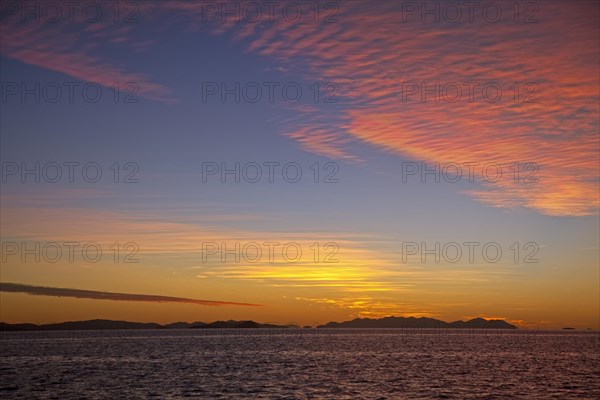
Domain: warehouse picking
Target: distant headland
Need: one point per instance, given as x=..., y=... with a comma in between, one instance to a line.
x=422, y=322
x=387, y=323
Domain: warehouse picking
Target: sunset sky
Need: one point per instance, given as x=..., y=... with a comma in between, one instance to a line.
x=373, y=96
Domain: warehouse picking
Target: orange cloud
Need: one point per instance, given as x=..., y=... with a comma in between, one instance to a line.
x=550, y=119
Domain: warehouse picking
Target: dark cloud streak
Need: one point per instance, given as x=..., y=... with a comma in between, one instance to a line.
x=97, y=295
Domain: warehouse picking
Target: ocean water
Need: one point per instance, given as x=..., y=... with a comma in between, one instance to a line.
x=328, y=364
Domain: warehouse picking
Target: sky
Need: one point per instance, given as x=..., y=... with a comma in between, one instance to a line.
x=300, y=162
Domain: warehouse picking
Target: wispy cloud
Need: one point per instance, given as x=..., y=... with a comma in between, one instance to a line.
x=57, y=47
x=97, y=295
x=557, y=129
x=558, y=132
x=364, y=306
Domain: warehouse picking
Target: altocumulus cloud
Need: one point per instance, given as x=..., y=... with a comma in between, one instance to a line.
x=97, y=295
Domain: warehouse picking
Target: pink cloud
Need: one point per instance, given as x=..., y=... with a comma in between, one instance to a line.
x=371, y=52
x=57, y=47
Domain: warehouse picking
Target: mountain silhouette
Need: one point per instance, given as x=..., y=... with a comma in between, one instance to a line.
x=422, y=322
x=98, y=324
x=102, y=324
x=387, y=322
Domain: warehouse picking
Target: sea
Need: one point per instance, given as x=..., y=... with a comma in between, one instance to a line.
x=300, y=364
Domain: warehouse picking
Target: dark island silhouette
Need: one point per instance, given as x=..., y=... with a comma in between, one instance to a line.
x=387, y=322
x=421, y=322
x=103, y=324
